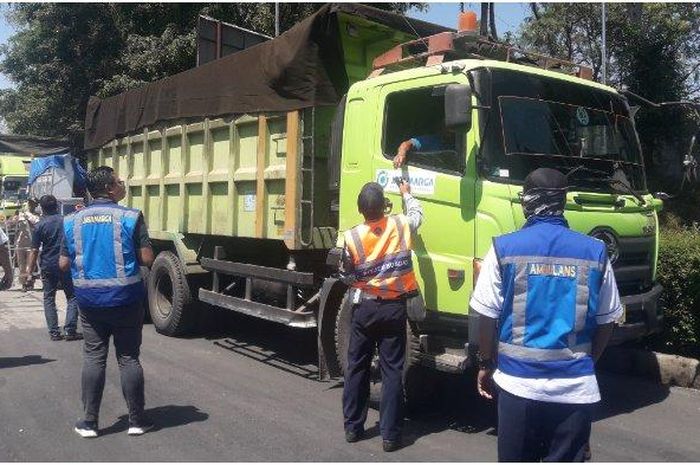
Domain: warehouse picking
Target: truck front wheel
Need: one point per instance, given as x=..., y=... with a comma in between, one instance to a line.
x=169, y=298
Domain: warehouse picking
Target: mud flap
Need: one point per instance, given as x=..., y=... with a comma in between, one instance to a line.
x=415, y=308
x=327, y=361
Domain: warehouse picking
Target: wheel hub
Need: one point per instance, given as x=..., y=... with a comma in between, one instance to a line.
x=164, y=295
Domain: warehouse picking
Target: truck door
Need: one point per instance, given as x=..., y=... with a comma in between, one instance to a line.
x=442, y=178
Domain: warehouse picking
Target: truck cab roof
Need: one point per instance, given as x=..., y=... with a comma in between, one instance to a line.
x=462, y=65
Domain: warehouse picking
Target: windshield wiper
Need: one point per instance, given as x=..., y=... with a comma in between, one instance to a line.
x=605, y=174
x=628, y=188
x=608, y=179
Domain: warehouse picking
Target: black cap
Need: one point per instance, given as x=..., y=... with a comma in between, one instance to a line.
x=545, y=178
x=370, y=202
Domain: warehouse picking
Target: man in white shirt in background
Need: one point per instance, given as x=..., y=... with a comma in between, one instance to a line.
x=551, y=293
x=5, y=261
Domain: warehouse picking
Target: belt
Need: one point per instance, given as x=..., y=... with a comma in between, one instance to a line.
x=367, y=296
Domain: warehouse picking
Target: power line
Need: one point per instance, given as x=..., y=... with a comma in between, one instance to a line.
x=505, y=22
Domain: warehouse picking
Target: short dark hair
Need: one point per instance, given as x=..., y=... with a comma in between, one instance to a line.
x=370, y=202
x=49, y=204
x=99, y=179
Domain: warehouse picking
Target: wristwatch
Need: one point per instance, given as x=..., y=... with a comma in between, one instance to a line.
x=484, y=363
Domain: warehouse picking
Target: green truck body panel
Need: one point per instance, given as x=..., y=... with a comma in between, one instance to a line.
x=201, y=177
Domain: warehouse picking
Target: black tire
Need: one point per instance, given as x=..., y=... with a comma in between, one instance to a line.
x=170, y=301
x=418, y=381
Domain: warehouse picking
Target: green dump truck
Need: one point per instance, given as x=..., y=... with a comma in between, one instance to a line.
x=248, y=172
x=14, y=173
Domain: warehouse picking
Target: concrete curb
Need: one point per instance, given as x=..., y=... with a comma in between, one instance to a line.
x=672, y=370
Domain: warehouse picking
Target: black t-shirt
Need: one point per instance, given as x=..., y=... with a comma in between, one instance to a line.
x=48, y=235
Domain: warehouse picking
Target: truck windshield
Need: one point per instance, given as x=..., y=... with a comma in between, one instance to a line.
x=540, y=127
x=536, y=121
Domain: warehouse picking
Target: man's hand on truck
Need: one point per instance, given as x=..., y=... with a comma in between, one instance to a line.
x=401, y=152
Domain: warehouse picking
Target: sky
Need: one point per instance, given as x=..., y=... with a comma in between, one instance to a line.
x=508, y=18
x=5, y=32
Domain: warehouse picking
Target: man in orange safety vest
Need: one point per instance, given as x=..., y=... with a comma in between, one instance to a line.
x=377, y=266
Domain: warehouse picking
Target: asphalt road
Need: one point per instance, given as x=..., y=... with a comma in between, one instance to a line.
x=245, y=390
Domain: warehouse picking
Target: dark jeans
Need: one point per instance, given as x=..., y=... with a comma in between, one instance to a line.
x=124, y=324
x=383, y=324
x=51, y=281
x=533, y=431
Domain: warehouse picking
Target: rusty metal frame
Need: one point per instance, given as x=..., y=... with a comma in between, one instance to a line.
x=445, y=46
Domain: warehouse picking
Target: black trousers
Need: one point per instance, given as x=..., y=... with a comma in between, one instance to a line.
x=533, y=431
x=382, y=324
x=124, y=325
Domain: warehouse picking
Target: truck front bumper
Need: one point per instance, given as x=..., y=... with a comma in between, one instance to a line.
x=642, y=316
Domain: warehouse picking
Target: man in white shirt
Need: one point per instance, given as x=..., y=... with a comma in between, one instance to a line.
x=25, y=221
x=552, y=294
x=5, y=261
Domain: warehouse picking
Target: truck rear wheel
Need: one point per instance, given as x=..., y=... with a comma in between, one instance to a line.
x=418, y=382
x=169, y=298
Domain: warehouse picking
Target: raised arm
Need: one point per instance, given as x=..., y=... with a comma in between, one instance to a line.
x=412, y=207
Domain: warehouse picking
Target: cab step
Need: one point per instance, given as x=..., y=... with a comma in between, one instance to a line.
x=445, y=362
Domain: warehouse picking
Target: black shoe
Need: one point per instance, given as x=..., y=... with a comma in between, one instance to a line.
x=139, y=428
x=391, y=446
x=353, y=436
x=73, y=336
x=56, y=337
x=86, y=429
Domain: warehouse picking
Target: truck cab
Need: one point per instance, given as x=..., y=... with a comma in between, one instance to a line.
x=490, y=123
x=14, y=174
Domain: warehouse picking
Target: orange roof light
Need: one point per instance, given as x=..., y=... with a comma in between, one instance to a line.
x=468, y=22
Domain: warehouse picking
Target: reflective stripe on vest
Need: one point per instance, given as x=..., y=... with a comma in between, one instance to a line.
x=381, y=256
x=550, y=301
x=106, y=281
x=544, y=355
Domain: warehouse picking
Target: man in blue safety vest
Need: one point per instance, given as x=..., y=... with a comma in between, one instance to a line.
x=104, y=246
x=551, y=293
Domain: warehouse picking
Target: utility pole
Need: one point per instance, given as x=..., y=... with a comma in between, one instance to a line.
x=484, y=20
x=603, y=48
x=604, y=64
x=277, y=19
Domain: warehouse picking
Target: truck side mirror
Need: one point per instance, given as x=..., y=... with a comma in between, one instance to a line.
x=458, y=106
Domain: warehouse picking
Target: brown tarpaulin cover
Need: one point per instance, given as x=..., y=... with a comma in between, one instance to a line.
x=33, y=145
x=301, y=68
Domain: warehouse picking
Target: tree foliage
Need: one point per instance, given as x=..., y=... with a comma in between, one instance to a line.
x=679, y=273
x=653, y=47
x=63, y=53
